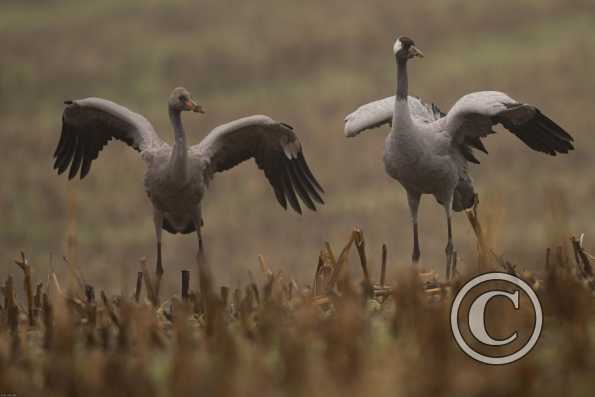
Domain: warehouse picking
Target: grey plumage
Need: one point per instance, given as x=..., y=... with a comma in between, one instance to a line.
x=276, y=150
x=177, y=176
x=89, y=124
x=427, y=151
x=380, y=112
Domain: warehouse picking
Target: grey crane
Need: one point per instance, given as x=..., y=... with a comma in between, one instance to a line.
x=428, y=151
x=178, y=176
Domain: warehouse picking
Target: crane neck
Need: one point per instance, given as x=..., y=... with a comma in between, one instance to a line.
x=402, y=80
x=179, y=155
x=401, y=116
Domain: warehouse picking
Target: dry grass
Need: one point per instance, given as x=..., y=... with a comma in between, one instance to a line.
x=306, y=63
x=337, y=336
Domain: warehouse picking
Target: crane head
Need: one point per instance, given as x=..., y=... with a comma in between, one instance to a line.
x=181, y=100
x=404, y=48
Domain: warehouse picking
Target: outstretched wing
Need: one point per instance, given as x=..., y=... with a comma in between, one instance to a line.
x=277, y=151
x=87, y=126
x=380, y=112
x=473, y=116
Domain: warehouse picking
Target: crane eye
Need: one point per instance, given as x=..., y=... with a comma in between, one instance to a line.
x=183, y=98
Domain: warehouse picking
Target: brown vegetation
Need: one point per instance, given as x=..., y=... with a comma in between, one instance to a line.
x=334, y=337
x=308, y=63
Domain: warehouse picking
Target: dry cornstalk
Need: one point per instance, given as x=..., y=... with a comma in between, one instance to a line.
x=484, y=250
x=76, y=275
x=139, y=286
x=110, y=309
x=320, y=300
x=454, y=270
x=317, y=273
x=382, y=291
x=224, y=292
x=256, y=293
x=383, y=265
x=581, y=258
x=434, y=291
x=473, y=218
x=451, y=268
x=90, y=293
x=74, y=301
x=38, y=300
x=330, y=253
x=48, y=320
x=23, y=263
x=204, y=276
x=150, y=287
x=10, y=305
x=360, y=245
x=339, y=264
x=264, y=268
x=185, y=284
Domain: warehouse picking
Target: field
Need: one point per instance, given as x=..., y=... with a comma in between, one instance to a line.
x=337, y=336
x=309, y=64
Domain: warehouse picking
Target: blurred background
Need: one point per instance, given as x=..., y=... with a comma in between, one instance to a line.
x=308, y=63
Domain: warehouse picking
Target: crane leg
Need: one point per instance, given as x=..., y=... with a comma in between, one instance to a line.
x=158, y=222
x=416, y=252
x=197, y=220
x=203, y=270
x=413, y=200
x=449, y=245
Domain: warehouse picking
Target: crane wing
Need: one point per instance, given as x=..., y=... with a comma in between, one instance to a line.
x=277, y=151
x=380, y=112
x=473, y=116
x=89, y=124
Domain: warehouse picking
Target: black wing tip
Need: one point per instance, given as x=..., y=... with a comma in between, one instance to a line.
x=553, y=127
x=288, y=189
x=301, y=184
x=542, y=134
x=311, y=182
x=69, y=102
x=297, y=188
x=308, y=172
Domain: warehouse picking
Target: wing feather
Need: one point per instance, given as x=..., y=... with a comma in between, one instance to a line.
x=380, y=112
x=276, y=150
x=299, y=185
x=473, y=116
x=309, y=181
x=89, y=124
x=290, y=192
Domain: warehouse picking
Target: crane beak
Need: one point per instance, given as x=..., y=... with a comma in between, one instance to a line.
x=195, y=107
x=415, y=52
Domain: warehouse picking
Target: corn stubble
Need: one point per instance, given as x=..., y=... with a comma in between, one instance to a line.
x=340, y=336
